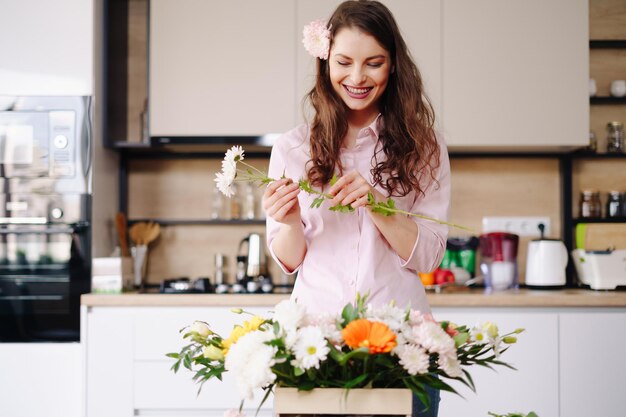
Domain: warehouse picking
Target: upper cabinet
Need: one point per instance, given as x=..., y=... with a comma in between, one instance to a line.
x=515, y=73
x=420, y=23
x=47, y=47
x=222, y=67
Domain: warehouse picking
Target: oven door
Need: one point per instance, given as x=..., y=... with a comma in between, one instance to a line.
x=43, y=271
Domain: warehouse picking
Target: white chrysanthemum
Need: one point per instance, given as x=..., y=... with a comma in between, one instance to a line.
x=224, y=183
x=310, y=348
x=433, y=338
x=391, y=315
x=329, y=325
x=234, y=155
x=450, y=365
x=415, y=317
x=250, y=361
x=229, y=169
x=289, y=314
x=414, y=359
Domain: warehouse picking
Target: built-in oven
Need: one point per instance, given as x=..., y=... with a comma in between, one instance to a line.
x=45, y=217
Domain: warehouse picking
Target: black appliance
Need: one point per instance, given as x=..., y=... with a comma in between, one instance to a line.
x=45, y=217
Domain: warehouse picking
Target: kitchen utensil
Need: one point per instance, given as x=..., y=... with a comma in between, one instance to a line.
x=142, y=234
x=601, y=270
x=140, y=262
x=546, y=262
x=618, y=88
x=499, y=260
x=121, y=227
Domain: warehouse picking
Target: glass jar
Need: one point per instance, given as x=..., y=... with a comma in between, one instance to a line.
x=593, y=142
x=249, y=202
x=590, y=205
x=615, y=137
x=614, y=204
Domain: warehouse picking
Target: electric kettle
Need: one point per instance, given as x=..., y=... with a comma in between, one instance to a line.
x=546, y=262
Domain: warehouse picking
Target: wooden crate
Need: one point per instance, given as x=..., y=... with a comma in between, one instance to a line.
x=357, y=401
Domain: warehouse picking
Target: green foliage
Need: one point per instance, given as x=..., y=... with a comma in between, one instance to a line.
x=531, y=414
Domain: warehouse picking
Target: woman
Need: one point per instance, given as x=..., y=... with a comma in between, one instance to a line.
x=373, y=128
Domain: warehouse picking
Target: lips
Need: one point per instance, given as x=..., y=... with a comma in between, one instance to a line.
x=357, y=93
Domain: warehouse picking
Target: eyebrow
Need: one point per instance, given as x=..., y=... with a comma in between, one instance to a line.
x=367, y=59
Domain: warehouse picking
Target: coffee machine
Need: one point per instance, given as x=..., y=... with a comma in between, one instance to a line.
x=252, y=274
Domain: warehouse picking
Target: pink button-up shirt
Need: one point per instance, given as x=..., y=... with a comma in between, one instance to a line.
x=346, y=254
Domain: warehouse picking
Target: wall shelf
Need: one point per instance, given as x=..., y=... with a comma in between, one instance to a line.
x=607, y=100
x=607, y=44
x=201, y=222
x=599, y=220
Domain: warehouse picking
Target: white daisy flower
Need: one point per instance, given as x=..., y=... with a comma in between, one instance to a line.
x=414, y=359
x=310, y=348
x=479, y=336
x=233, y=155
x=328, y=324
x=250, y=360
x=224, y=183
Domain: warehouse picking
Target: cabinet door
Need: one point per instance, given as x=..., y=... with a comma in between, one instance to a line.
x=534, y=386
x=223, y=67
x=419, y=22
x=515, y=73
x=593, y=369
x=46, y=47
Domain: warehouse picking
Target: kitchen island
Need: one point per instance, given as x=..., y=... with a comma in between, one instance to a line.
x=572, y=336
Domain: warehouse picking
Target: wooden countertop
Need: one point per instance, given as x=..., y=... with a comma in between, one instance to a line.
x=466, y=298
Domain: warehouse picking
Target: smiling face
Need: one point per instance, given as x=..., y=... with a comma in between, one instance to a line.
x=359, y=70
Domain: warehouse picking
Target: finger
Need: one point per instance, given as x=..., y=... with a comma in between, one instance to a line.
x=275, y=185
x=280, y=202
x=280, y=214
x=278, y=194
x=360, y=202
x=342, y=182
x=355, y=195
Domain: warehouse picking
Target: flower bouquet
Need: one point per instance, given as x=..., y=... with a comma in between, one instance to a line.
x=363, y=347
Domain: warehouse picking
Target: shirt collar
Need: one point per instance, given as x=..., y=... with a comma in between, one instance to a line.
x=375, y=127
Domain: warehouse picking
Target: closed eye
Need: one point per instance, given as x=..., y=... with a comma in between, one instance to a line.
x=343, y=63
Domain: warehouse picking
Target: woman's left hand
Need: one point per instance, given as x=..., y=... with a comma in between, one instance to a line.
x=352, y=189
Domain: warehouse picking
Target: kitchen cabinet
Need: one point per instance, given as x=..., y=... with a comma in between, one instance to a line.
x=125, y=352
x=221, y=67
x=420, y=23
x=41, y=379
x=47, y=48
x=536, y=357
x=515, y=73
x=592, y=369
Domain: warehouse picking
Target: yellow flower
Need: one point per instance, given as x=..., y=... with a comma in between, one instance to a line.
x=491, y=329
x=238, y=331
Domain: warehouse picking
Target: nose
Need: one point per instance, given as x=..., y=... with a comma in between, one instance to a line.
x=357, y=76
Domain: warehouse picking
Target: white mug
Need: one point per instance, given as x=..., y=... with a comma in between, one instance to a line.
x=592, y=87
x=618, y=88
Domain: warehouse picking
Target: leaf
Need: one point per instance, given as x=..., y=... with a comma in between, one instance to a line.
x=298, y=371
x=334, y=180
x=460, y=339
x=172, y=355
x=342, y=208
x=359, y=353
x=317, y=202
x=348, y=314
x=356, y=381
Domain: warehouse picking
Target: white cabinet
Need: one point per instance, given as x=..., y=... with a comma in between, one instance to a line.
x=592, y=365
x=47, y=47
x=41, y=380
x=419, y=22
x=125, y=355
x=515, y=73
x=504, y=390
x=222, y=67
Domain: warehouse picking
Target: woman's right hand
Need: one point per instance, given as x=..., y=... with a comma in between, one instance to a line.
x=280, y=201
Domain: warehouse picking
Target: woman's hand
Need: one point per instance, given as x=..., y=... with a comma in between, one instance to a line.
x=280, y=201
x=352, y=189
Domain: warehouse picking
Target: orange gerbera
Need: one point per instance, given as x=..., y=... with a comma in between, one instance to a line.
x=375, y=336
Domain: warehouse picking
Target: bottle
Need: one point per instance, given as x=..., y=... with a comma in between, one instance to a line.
x=590, y=205
x=220, y=274
x=217, y=203
x=249, y=202
x=593, y=142
x=615, y=137
x=235, y=203
x=614, y=204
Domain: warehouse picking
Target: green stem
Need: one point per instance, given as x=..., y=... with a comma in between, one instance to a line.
x=254, y=168
x=394, y=210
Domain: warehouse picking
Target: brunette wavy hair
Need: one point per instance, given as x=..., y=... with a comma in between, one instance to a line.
x=408, y=138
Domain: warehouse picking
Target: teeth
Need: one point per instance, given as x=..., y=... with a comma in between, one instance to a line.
x=358, y=90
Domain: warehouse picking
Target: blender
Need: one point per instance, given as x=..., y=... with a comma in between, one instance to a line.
x=499, y=260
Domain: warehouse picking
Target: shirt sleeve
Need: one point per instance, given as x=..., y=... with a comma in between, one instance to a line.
x=278, y=167
x=430, y=243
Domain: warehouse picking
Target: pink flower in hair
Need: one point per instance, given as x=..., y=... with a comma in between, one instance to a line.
x=316, y=39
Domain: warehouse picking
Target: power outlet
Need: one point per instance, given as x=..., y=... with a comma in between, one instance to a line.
x=522, y=226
